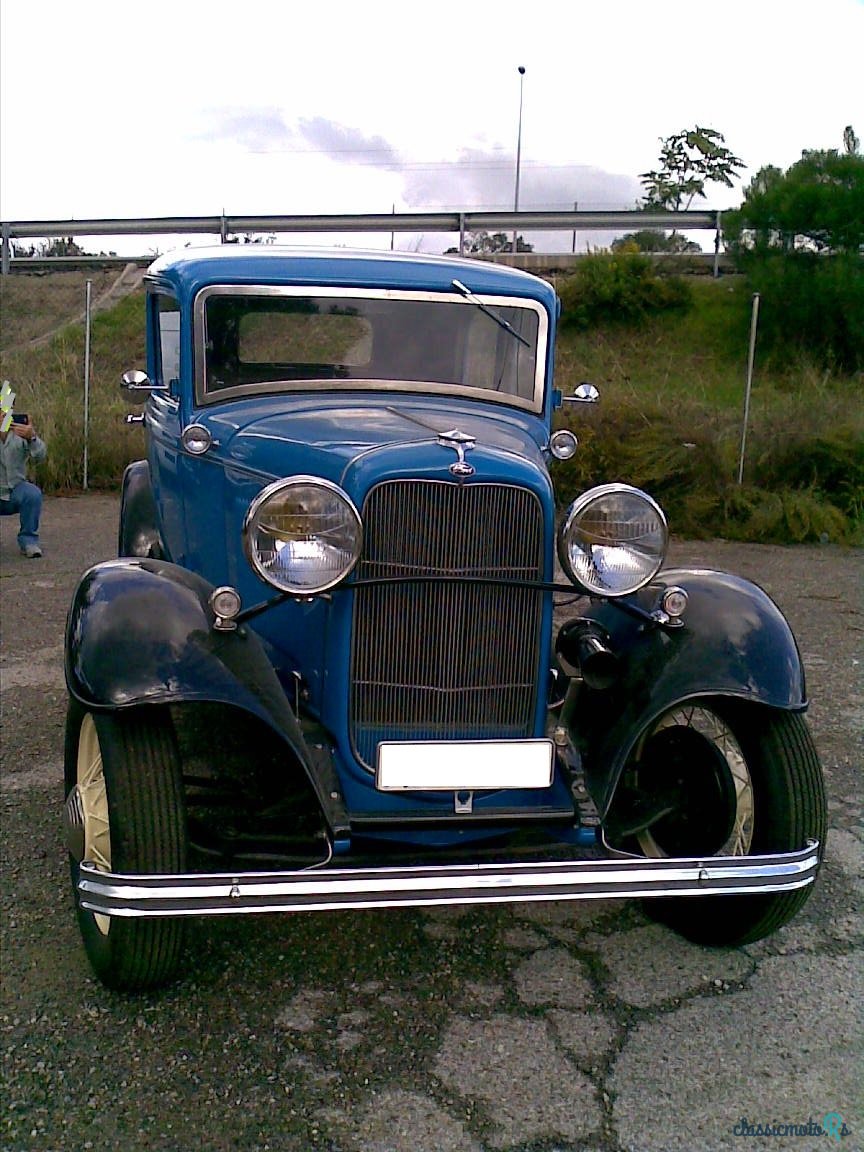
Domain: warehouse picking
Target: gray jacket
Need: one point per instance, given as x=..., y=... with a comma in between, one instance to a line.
x=15, y=454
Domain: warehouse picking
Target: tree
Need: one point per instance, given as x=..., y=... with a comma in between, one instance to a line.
x=688, y=161
x=653, y=240
x=816, y=205
x=798, y=236
x=482, y=242
x=60, y=246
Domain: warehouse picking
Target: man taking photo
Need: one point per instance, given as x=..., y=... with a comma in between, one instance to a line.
x=19, y=444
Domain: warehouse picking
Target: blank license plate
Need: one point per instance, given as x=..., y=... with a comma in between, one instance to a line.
x=463, y=765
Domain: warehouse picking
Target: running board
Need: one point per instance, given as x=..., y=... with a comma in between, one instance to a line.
x=316, y=890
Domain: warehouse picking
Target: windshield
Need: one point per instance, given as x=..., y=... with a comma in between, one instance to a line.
x=264, y=340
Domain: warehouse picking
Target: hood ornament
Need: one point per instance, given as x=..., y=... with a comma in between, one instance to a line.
x=461, y=443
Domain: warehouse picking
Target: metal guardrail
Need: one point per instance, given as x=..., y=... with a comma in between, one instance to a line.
x=224, y=227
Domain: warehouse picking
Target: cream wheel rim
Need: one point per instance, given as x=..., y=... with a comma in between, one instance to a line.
x=94, y=805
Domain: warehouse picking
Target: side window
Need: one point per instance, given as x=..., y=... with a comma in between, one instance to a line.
x=167, y=317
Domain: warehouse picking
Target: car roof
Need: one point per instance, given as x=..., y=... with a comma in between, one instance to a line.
x=190, y=269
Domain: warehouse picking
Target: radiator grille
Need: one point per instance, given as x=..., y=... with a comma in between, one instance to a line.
x=448, y=661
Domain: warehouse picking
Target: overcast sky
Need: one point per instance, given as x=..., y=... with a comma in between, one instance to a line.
x=195, y=107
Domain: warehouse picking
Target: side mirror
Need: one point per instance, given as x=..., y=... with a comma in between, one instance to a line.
x=136, y=381
x=583, y=393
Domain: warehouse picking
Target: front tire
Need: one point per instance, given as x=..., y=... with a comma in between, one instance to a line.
x=125, y=812
x=739, y=781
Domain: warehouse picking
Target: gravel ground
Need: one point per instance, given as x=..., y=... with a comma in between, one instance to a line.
x=543, y=1028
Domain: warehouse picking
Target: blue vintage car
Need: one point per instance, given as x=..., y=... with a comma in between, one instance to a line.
x=327, y=669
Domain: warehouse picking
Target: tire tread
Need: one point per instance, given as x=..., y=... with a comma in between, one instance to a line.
x=794, y=792
x=148, y=835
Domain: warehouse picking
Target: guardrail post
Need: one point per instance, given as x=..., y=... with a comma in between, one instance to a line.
x=6, y=249
x=717, y=230
x=461, y=233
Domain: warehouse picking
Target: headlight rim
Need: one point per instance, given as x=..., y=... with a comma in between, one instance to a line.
x=578, y=506
x=558, y=439
x=281, y=485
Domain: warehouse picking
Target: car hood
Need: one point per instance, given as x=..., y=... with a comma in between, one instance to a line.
x=331, y=437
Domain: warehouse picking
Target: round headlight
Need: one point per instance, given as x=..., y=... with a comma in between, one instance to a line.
x=196, y=439
x=563, y=444
x=613, y=540
x=302, y=535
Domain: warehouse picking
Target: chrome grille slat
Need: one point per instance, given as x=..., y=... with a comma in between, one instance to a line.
x=446, y=660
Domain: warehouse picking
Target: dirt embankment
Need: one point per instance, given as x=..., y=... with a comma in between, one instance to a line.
x=35, y=306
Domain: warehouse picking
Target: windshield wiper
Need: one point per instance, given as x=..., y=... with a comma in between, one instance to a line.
x=499, y=320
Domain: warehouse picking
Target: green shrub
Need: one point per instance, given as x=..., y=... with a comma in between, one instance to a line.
x=799, y=237
x=784, y=516
x=618, y=288
x=695, y=480
x=830, y=467
x=810, y=304
x=670, y=422
x=678, y=455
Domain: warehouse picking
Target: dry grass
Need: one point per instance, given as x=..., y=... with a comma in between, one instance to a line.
x=670, y=421
x=33, y=304
x=48, y=375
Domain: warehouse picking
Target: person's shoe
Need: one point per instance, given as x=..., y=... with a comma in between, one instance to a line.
x=31, y=551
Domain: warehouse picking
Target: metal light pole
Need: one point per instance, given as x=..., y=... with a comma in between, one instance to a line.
x=518, y=149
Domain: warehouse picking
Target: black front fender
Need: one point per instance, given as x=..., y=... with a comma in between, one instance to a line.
x=734, y=642
x=141, y=632
x=138, y=532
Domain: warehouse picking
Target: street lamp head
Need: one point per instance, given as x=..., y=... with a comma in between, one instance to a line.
x=521, y=70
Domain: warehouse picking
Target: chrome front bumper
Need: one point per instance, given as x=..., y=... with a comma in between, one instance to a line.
x=315, y=890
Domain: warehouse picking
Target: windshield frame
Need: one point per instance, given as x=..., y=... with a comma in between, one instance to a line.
x=205, y=397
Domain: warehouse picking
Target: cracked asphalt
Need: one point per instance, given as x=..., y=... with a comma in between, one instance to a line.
x=537, y=1028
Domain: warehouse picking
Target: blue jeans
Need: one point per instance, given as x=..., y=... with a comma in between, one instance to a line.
x=26, y=499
